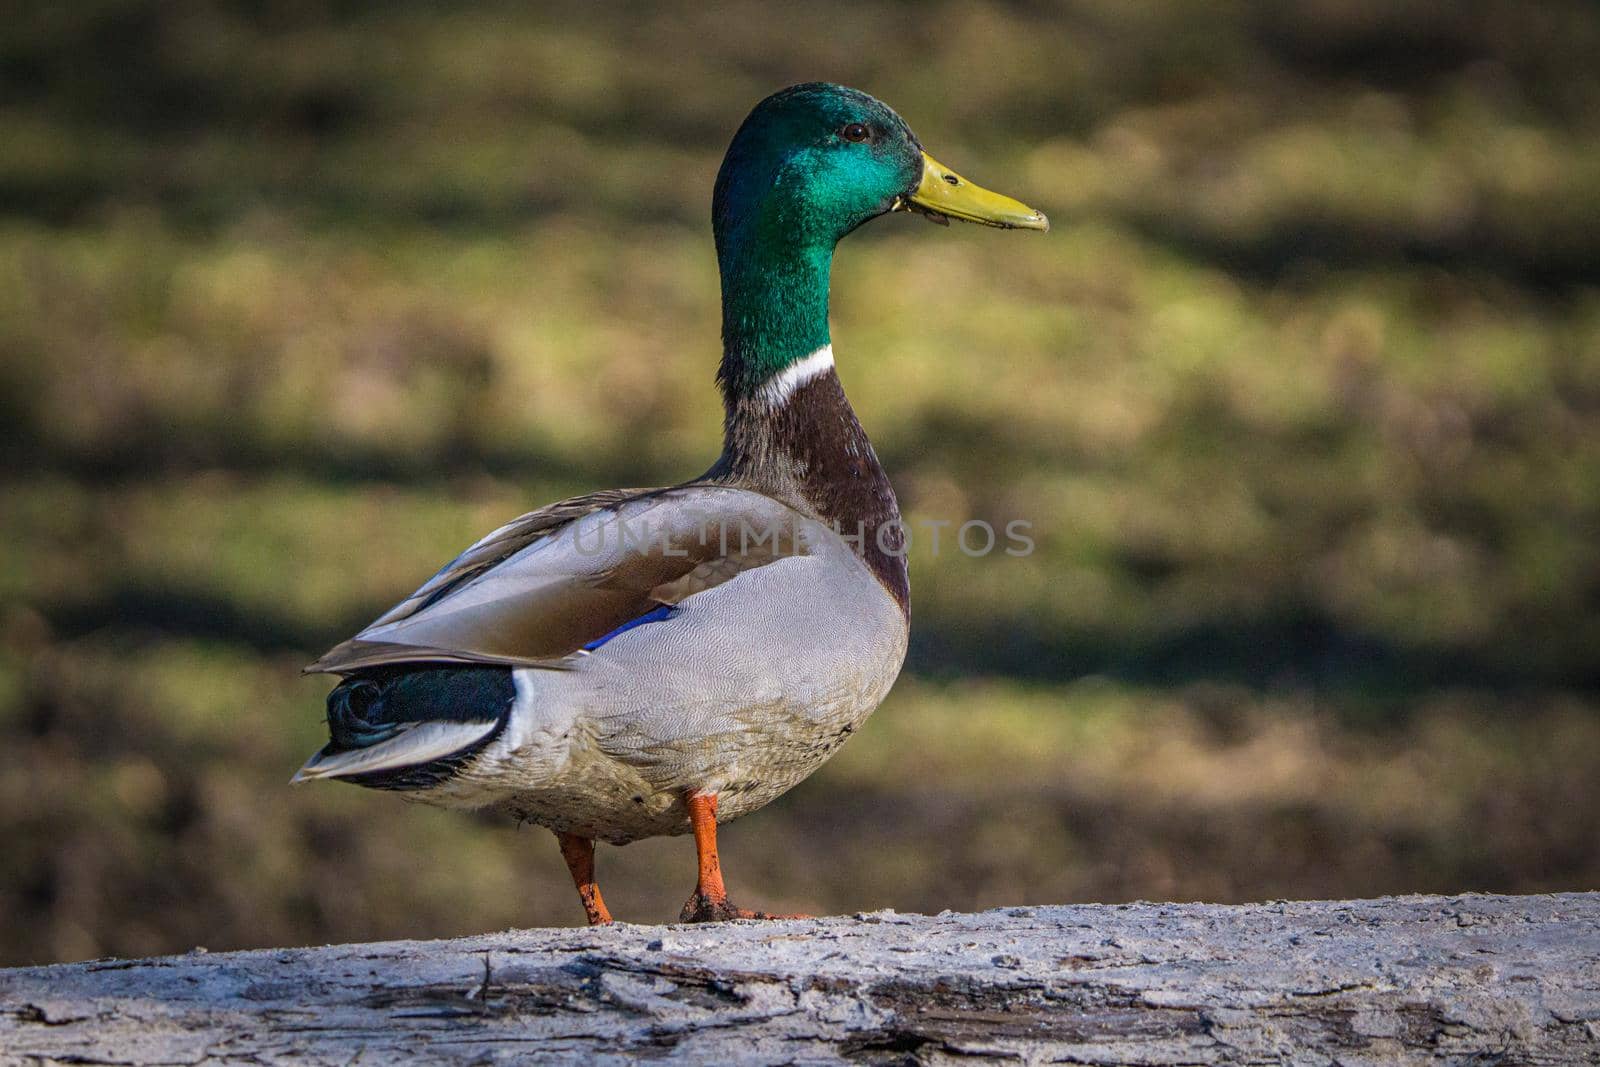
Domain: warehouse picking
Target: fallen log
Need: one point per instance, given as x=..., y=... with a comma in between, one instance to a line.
x=1480, y=979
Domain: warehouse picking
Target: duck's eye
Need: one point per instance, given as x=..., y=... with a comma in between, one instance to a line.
x=855, y=133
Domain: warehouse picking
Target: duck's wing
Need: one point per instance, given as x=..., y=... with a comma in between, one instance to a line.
x=539, y=589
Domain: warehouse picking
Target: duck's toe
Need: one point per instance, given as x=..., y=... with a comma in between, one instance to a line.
x=701, y=908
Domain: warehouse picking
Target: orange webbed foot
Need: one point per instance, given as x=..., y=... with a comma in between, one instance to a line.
x=709, y=903
x=701, y=908
x=579, y=854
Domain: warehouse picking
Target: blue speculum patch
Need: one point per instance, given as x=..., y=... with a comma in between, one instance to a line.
x=663, y=612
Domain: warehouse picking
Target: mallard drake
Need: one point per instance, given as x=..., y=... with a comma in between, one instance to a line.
x=639, y=662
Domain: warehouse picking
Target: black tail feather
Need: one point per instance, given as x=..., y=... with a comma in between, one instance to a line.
x=369, y=708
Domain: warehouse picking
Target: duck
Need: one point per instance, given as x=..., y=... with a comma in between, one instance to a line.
x=634, y=663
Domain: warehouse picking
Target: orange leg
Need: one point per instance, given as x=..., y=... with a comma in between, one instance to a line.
x=579, y=854
x=710, y=901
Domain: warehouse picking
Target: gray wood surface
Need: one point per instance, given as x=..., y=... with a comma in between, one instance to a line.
x=1470, y=979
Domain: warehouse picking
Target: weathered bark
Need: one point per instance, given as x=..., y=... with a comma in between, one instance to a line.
x=1481, y=979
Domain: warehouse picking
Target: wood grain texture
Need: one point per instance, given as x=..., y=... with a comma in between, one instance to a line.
x=1469, y=979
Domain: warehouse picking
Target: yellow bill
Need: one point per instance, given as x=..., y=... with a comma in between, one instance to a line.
x=943, y=195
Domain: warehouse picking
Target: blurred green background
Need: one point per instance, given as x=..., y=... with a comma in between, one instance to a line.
x=1301, y=394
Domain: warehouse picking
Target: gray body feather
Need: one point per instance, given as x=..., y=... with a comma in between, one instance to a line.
x=781, y=642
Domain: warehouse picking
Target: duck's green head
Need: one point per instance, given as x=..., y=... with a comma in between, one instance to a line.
x=810, y=164
x=814, y=161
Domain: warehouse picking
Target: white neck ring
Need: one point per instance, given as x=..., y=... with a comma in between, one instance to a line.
x=777, y=389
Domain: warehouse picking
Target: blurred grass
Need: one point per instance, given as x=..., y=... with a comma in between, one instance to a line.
x=1301, y=396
